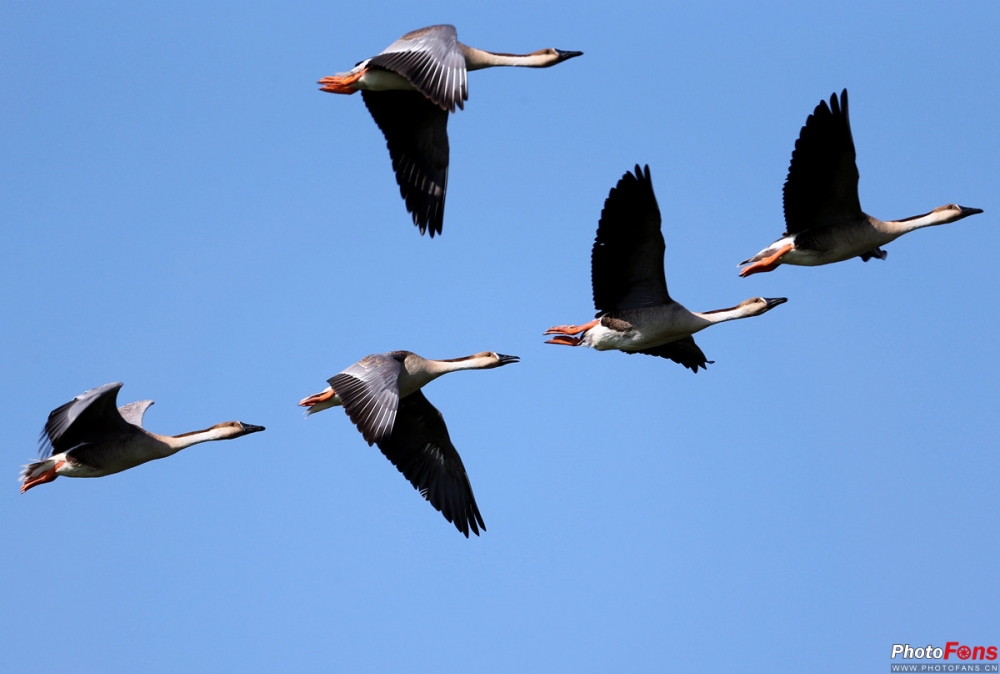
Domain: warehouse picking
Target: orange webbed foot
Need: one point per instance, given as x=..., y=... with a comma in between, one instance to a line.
x=570, y=329
x=341, y=84
x=767, y=264
x=567, y=334
x=565, y=340
x=42, y=478
x=309, y=401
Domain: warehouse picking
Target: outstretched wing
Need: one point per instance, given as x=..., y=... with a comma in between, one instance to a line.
x=90, y=417
x=626, y=263
x=416, y=132
x=420, y=448
x=369, y=391
x=134, y=412
x=683, y=351
x=822, y=184
x=432, y=61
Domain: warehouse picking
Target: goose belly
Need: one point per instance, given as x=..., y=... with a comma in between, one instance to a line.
x=836, y=244
x=603, y=338
x=376, y=79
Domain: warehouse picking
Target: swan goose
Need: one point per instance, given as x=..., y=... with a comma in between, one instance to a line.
x=824, y=222
x=635, y=314
x=409, y=89
x=90, y=436
x=381, y=394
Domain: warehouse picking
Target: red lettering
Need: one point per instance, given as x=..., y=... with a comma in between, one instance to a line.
x=979, y=652
x=949, y=648
x=991, y=653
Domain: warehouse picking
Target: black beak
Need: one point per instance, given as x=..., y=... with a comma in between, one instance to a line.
x=250, y=428
x=507, y=360
x=969, y=211
x=567, y=55
x=774, y=301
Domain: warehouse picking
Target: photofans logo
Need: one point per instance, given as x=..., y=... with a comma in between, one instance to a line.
x=935, y=659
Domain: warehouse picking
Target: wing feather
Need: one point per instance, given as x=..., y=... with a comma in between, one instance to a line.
x=416, y=133
x=683, y=351
x=92, y=416
x=822, y=184
x=626, y=263
x=432, y=61
x=421, y=449
x=369, y=391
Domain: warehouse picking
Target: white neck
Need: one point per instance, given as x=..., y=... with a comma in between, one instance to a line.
x=900, y=227
x=723, y=315
x=436, y=368
x=418, y=372
x=178, y=442
x=476, y=59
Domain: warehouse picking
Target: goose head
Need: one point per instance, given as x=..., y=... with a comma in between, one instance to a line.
x=492, y=359
x=755, y=306
x=550, y=57
x=952, y=212
x=233, y=429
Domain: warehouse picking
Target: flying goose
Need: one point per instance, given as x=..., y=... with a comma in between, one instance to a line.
x=409, y=89
x=823, y=218
x=90, y=436
x=381, y=394
x=635, y=314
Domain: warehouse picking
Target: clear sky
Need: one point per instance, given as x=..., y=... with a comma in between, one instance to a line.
x=182, y=210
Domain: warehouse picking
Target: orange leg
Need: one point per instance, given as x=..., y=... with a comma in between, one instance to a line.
x=767, y=264
x=309, y=401
x=44, y=477
x=570, y=329
x=567, y=333
x=341, y=84
x=565, y=340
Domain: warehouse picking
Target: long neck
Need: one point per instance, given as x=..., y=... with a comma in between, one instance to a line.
x=723, y=315
x=476, y=59
x=436, y=368
x=178, y=442
x=418, y=372
x=900, y=227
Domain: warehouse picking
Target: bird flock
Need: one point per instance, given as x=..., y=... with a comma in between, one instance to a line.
x=410, y=88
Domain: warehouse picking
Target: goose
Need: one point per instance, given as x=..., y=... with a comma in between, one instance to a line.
x=409, y=89
x=90, y=436
x=823, y=218
x=635, y=314
x=381, y=394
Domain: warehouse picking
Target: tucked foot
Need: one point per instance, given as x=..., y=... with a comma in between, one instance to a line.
x=41, y=478
x=570, y=329
x=565, y=340
x=341, y=84
x=316, y=398
x=766, y=264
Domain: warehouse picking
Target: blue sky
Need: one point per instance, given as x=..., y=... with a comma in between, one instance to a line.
x=185, y=212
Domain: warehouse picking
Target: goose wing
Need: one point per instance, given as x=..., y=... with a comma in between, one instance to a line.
x=134, y=412
x=416, y=132
x=91, y=417
x=369, y=391
x=626, y=263
x=431, y=59
x=822, y=184
x=420, y=448
x=683, y=351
